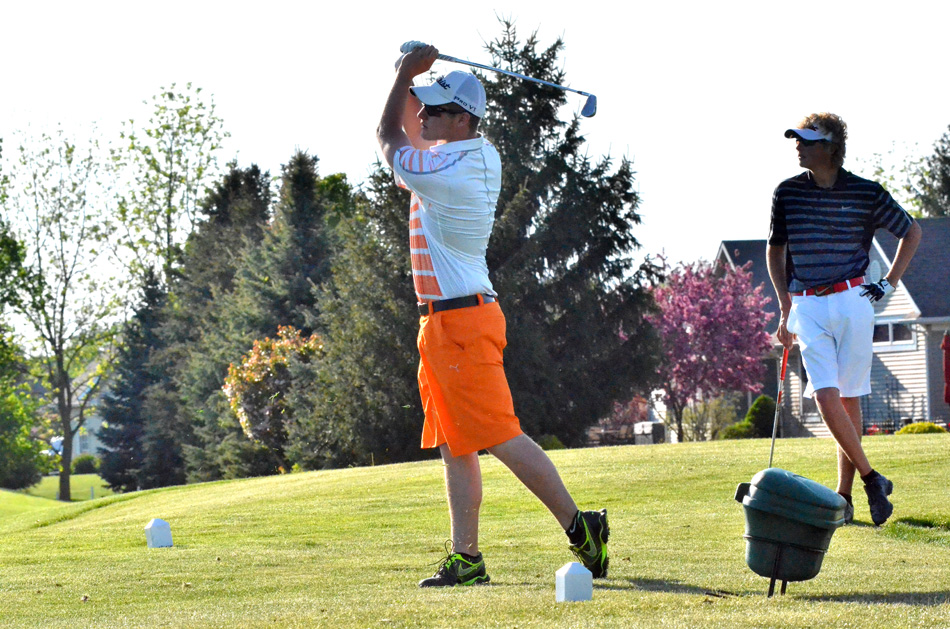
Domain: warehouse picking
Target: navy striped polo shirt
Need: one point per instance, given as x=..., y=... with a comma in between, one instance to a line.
x=828, y=231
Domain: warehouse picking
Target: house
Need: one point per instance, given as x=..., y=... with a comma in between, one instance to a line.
x=907, y=378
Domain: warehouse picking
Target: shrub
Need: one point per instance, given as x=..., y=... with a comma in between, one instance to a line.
x=550, y=442
x=761, y=416
x=257, y=389
x=919, y=428
x=741, y=430
x=85, y=464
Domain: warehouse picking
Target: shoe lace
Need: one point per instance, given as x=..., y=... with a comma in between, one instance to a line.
x=451, y=556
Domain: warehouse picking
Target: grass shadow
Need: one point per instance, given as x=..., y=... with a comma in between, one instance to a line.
x=920, y=530
x=665, y=586
x=919, y=599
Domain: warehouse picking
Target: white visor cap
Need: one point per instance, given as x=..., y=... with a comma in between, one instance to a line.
x=461, y=88
x=808, y=134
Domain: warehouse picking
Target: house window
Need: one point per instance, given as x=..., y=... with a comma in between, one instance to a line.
x=893, y=335
x=83, y=443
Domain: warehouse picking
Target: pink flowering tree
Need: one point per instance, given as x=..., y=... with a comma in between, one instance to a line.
x=712, y=326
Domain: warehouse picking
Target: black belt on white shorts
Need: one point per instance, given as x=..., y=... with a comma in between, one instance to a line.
x=468, y=301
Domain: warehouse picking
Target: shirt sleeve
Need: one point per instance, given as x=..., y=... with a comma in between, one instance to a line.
x=778, y=232
x=889, y=215
x=425, y=172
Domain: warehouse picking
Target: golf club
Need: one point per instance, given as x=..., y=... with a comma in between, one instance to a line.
x=590, y=107
x=778, y=403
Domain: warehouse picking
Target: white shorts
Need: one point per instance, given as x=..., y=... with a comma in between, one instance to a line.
x=836, y=335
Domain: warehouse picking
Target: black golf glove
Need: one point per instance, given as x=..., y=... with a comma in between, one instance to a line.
x=877, y=290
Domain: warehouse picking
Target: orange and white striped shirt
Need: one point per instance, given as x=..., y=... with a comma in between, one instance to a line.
x=455, y=190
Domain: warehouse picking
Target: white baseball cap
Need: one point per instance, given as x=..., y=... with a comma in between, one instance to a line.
x=461, y=88
x=809, y=134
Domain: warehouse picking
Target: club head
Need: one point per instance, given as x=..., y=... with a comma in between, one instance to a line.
x=590, y=107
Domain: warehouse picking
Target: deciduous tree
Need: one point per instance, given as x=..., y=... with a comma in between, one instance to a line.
x=72, y=301
x=713, y=330
x=166, y=166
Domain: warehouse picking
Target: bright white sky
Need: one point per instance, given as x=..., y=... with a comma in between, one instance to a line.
x=697, y=94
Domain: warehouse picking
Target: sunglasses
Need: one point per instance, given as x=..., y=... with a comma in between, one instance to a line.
x=434, y=111
x=811, y=142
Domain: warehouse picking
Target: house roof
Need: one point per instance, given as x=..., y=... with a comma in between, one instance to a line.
x=738, y=253
x=928, y=275
x=926, y=279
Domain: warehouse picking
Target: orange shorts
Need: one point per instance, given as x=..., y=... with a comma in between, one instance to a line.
x=462, y=381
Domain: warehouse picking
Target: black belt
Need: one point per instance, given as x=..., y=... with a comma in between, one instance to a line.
x=468, y=301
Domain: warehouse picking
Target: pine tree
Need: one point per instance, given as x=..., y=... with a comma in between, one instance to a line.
x=363, y=403
x=233, y=218
x=934, y=179
x=273, y=286
x=561, y=254
x=123, y=406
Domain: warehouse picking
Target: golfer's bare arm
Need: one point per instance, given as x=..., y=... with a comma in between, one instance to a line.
x=775, y=259
x=906, y=248
x=390, y=132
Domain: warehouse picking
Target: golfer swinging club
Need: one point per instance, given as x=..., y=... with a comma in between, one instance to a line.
x=823, y=222
x=429, y=136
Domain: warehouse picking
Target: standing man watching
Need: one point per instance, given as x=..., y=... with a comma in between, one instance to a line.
x=823, y=222
x=429, y=136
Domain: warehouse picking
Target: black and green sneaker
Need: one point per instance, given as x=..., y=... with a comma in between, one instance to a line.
x=588, y=535
x=458, y=569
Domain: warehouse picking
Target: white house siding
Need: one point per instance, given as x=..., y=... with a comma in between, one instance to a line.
x=898, y=386
x=897, y=305
x=86, y=441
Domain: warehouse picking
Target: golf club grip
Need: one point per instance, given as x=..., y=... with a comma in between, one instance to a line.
x=781, y=379
x=510, y=73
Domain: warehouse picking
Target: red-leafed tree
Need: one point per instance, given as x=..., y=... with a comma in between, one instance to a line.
x=712, y=324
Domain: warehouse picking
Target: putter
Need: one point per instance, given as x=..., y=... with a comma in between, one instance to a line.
x=778, y=407
x=590, y=106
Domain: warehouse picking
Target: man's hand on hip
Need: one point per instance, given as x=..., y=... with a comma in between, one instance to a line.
x=876, y=291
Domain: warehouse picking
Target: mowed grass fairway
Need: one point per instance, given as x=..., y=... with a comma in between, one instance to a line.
x=345, y=548
x=79, y=486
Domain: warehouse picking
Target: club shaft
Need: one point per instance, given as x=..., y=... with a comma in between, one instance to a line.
x=778, y=403
x=510, y=73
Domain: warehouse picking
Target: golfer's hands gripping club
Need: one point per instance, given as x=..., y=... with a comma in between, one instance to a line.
x=417, y=58
x=876, y=291
x=411, y=45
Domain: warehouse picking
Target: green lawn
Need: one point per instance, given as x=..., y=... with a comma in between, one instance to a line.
x=82, y=487
x=13, y=502
x=345, y=548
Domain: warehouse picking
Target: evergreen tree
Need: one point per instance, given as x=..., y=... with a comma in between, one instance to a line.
x=560, y=255
x=123, y=406
x=273, y=286
x=934, y=180
x=363, y=401
x=233, y=218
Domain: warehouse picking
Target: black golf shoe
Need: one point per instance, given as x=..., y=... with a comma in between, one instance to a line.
x=588, y=536
x=878, y=489
x=457, y=570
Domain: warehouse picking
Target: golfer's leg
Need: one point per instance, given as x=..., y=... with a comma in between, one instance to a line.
x=842, y=429
x=852, y=406
x=532, y=466
x=463, y=486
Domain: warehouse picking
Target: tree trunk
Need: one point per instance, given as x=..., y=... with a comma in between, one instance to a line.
x=67, y=460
